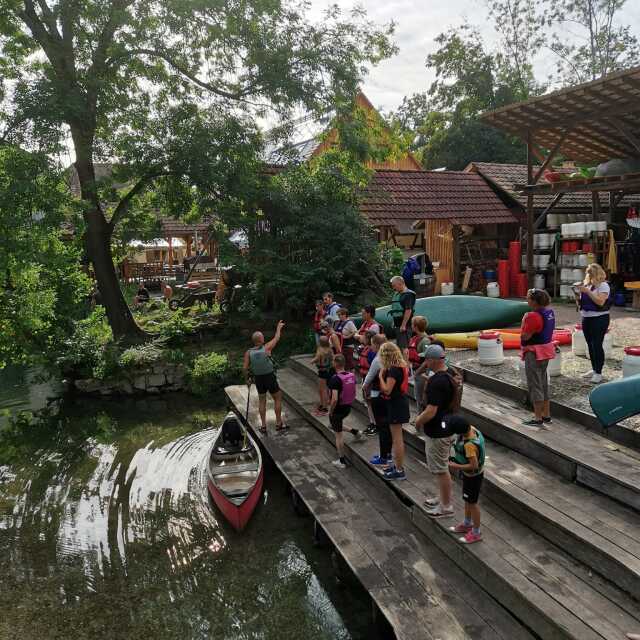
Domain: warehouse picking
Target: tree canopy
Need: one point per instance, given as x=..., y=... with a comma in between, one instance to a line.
x=168, y=90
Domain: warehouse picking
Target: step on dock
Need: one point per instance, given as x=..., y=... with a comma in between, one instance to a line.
x=576, y=563
x=416, y=587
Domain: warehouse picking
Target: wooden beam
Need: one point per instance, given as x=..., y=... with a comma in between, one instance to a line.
x=530, y=229
x=457, y=234
x=635, y=142
x=543, y=215
x=551, y=156
x=595, y=205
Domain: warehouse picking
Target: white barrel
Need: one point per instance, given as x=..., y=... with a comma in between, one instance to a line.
x=607, y=345
x=553, y=220
x=580, y=228
x=543, y=240
x=582, y=260
x=565, y=291
x=538, y=281
x=592, y=226
x=631, y=362
x=490, y=349
x=578, y=344
x=554, y=369
x=565, y=230
x=493, y=290
x=566, y=275
x=577, y=275
x=543, y=261
x=446, y=289
x=601, y=225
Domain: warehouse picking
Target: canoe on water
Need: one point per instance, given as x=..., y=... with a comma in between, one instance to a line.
x=615, y=401
x=452, y=314
x=235, y=472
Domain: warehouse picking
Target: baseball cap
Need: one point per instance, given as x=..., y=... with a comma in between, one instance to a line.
x=456, y=424
x=433, y=352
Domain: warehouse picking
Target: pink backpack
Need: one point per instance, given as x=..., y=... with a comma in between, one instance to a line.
x=348, y=393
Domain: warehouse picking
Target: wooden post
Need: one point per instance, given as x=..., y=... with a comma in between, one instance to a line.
x=455, y=232
x=530, y=221
x=612, y=207
x=595, y=205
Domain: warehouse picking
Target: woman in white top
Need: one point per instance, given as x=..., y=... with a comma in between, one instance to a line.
x=594, y=300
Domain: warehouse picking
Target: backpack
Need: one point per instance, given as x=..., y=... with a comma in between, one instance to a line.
x=414, y=358
x=348, y=393
x=456, y=378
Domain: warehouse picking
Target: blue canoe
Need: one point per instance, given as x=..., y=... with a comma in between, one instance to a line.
x=453, y=314
x=615, y=401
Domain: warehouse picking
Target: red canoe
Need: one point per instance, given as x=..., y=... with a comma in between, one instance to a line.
x=235, y=472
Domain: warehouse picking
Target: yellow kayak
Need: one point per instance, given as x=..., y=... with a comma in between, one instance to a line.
x=458, y=340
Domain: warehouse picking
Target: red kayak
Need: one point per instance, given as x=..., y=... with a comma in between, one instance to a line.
x=235, y=472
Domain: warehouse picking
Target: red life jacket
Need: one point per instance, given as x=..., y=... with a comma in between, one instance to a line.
x=365, y=326
x=404, y=385
x=414, y=357
x=317, y=319
x=363, y=361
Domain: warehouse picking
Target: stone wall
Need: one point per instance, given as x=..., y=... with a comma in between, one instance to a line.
x=160, y=378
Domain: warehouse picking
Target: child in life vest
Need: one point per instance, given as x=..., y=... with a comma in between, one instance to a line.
x=468, y=459
x=417, y=344
x=342, y=387
x=323, y=360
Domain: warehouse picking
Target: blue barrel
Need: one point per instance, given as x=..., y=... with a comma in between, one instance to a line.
x=490, y=275
x=619, y=300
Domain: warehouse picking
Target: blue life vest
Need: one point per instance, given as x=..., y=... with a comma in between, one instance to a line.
x=587, y=304
x=548, y=327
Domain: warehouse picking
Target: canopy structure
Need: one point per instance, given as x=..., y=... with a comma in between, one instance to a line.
x=589, y=124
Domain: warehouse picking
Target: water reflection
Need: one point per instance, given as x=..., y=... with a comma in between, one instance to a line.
x=108, y=530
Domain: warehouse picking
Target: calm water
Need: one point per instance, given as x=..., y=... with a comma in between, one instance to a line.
x=106, y=531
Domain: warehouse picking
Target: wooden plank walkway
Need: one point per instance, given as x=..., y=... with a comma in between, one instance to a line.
x=421, y=593
x=544, y=581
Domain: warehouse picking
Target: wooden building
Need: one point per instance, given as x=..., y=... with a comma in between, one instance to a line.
x=458, y=216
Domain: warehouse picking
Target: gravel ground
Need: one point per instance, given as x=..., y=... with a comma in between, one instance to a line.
x=568, y=388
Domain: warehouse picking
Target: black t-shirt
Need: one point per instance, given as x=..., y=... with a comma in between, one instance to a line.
x=407, y=301
x=335, y=384
x=397, y=373
x=439, y=393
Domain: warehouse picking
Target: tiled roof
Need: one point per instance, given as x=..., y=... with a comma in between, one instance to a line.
x=457, y=196
x=505, y=176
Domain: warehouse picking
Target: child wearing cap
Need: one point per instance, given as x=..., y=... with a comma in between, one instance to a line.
x=468, y=459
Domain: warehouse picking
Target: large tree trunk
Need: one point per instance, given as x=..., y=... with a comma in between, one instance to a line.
x=97, y=241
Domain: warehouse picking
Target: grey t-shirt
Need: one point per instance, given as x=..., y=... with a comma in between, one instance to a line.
x=372, y=374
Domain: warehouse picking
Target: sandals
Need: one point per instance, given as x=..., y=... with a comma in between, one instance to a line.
x=263, y=430
x=281, y=427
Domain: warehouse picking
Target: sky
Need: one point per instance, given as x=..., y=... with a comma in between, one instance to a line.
x=418, y=22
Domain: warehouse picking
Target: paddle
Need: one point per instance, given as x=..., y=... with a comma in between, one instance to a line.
x=246, y=416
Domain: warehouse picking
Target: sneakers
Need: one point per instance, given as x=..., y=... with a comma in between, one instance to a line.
x=377, y=460
x=320, y=411
x=371, y=430
x=461, y=528
x=470, y=537
x=395, y=474
x=430, y=503
x=440, y=512
x=358, y=436
x=339, y=464
x=534, y=422
x=596, y=378
x=547, y=420
x=588, y=374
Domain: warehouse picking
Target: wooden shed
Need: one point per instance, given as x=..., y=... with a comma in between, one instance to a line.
x=461, y=220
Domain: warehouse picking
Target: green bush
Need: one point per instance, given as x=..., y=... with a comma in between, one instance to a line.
x=144, y=355
x=210, y=372
x=178, y=326
x=89, y=352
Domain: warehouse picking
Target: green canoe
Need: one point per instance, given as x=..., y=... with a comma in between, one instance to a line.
x=614, y=401
x=450, y=314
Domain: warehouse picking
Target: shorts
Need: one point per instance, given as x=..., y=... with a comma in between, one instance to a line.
x=325, y=374
x=398, y=410
x=337, y=417
x=437, y=451
x=267, y=383
x=471, y=488
x=537, y=381
x=402, y=338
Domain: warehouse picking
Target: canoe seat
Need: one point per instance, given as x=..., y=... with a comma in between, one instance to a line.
x=232, y=469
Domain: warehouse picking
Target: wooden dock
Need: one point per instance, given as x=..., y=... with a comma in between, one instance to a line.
x=421, y=593
x=561, y=548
